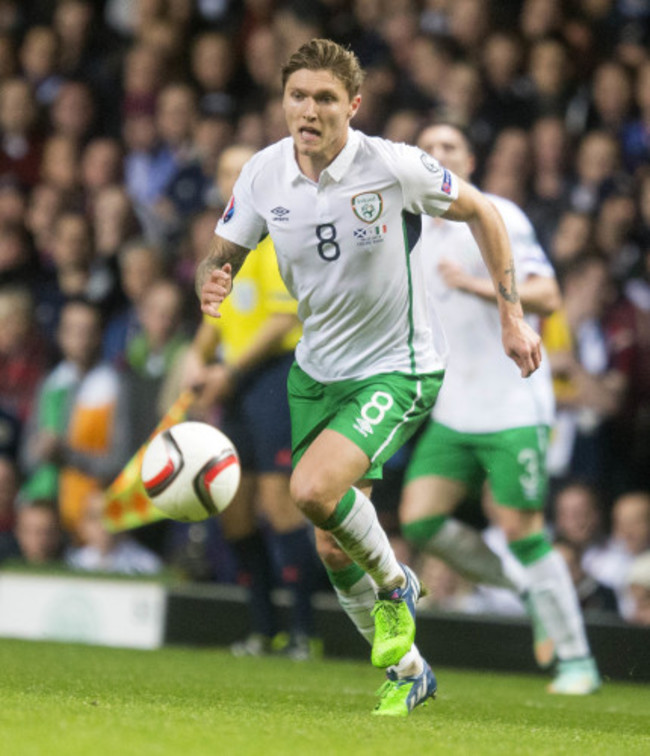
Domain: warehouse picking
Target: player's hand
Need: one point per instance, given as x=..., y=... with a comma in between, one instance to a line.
x=523, y=345
x=215, y=290
x=453, y=274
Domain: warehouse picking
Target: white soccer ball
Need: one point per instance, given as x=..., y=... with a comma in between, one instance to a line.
x=191, y=471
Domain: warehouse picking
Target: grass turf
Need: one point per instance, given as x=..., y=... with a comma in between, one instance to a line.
x=58, y=699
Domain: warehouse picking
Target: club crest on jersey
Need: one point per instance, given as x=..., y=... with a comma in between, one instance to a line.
x=367, y=206
x=230, y=210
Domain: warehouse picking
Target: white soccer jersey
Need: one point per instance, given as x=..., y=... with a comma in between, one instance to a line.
x=483, y=390
x=348, y=249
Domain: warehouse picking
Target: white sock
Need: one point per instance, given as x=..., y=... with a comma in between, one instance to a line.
x=360, y=535
x=556, y=603
x=358, y=602
x=410, y=664
x=463, y=549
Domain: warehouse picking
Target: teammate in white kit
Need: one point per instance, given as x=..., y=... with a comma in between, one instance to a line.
x=344, y=213
x=489, y=424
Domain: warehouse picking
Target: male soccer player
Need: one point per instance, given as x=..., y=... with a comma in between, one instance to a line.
x=489, y=424
x=344, y=213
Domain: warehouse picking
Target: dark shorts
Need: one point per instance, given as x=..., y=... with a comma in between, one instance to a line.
x=257, y=421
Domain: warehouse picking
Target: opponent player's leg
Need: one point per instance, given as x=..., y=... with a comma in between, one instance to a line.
x=293, y=539
x=411, y=681
x=441, y=473
x=240, y=528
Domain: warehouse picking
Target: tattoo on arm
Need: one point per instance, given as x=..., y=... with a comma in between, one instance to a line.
x=221, y=252
x=510, y=295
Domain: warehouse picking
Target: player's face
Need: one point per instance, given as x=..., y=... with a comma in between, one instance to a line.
x=318, y=109
x=448, y=147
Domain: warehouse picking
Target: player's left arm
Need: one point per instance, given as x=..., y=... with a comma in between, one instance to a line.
x=538, y=294
x=520, y=341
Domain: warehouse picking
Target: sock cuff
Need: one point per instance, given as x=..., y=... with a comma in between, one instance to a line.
x=531, y=549
x=341, y=511
x=420, y=532
x=344, y=579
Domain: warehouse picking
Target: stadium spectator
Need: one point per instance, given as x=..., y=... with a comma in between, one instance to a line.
x=140, y=265
x=578, y=517
x=153, y=355
x=592, y=595
x=23, y=353
x=44, y=205
x=38, y=54
x=114, y=223
x=78, y=436
x=637, y=586
x=20, y=143
x=8, y=495
x=39, y=539
x=102, y=551
x=630, y=537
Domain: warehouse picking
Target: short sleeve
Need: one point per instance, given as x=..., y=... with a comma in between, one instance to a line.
x=240, y=222
x=428, y=188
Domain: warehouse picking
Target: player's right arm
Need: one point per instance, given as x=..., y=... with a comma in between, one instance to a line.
x=216, y=271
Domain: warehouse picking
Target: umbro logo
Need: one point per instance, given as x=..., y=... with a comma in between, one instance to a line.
x=280, y=213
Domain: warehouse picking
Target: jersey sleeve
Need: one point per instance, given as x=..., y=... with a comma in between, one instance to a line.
x=240, y=222
x=428, y=188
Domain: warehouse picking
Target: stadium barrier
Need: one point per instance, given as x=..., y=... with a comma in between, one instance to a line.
x=148, y=613
x=216, y=615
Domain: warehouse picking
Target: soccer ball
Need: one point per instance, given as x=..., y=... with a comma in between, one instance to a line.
x=191, y=471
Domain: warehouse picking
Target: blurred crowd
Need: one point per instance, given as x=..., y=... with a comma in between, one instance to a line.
x=114, y=116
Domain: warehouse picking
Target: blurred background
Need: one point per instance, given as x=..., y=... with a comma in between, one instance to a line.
x=113, y=119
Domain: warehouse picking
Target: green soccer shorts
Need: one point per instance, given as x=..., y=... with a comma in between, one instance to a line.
x=513, y=461
x=378, y=414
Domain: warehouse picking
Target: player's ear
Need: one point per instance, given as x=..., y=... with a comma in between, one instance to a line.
x=354, y=106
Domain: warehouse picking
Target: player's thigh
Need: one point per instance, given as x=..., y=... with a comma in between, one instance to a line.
x=442, y=471
x=327, y=469
x=276, y=504
x=516, y=463
x=378, y=414
x=239, y=519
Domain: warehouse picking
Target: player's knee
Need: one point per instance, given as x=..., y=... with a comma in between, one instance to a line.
x=310, y=496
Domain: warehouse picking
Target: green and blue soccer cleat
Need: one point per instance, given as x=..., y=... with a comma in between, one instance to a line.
x=394, y=615
x=576, y=677
x=398, y=697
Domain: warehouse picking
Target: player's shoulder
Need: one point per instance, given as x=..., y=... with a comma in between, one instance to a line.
x=385, y=148
x=266, y=157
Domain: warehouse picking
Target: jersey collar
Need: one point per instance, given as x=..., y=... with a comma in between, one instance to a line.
x=337, y=169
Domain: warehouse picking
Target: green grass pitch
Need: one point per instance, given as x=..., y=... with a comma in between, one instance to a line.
x=69, y=700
